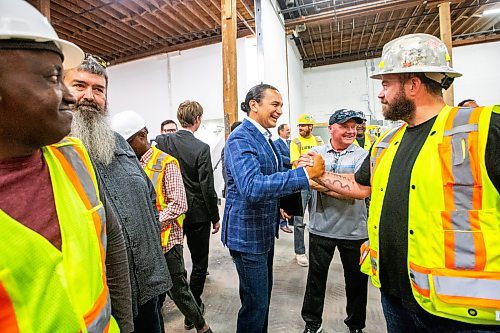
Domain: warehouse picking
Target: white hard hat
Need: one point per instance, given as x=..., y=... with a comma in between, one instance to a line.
x=20, y=20
x=127, y=123
x=417, y=53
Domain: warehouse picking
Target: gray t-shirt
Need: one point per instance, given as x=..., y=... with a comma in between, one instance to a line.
x=335, y=218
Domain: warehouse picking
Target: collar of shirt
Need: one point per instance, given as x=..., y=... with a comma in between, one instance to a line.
x=330, y=148
x=146, y=157
x=261, y=129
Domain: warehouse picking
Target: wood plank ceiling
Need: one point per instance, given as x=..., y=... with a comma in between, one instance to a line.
x=335, y=31
x=125, y=30
x=325, y=31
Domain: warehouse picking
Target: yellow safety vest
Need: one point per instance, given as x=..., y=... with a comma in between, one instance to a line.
x=453, y=218
x=319, y=142
x=155, y=169
x=43, y=289
x=368, y=142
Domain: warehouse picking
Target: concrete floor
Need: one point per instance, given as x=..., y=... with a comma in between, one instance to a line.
x=222, y=300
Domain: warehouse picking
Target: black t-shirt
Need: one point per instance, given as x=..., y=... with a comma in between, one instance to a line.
x=361, y=141
x=393, y=228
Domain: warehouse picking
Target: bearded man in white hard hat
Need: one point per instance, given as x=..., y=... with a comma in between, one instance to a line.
x=433, y=226
x=59, y=240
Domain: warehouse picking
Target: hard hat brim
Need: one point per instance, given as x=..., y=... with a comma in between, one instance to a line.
x=421, y=69
x=73, y=55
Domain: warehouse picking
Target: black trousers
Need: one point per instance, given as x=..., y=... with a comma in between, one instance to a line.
x=321, y=250
x=198, y=241
x=149, y=319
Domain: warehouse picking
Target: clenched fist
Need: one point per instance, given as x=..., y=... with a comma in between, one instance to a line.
x=318, y=166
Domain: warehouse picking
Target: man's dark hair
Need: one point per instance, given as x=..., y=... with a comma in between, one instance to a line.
x=256, y=93
x=432, y=87
x=234, y=125
x=166, y=122
x=465, y=101
x=281, y=127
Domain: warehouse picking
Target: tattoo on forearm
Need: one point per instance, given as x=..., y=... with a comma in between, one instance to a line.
x=338, y=179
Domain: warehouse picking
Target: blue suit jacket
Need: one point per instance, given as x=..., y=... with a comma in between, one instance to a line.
x=284, y=151
x=254, y=186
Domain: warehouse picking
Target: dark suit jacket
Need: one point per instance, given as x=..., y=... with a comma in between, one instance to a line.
x=255, y=182
x=284, y=151
x=196, y=168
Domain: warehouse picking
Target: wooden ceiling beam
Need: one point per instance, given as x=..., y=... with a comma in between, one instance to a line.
x=355, y=11
x=247, y=8
x=207, y=10
x=190, y=7
x=116, y=26
x=81, y=27
x=180, y=47
x=477, y=40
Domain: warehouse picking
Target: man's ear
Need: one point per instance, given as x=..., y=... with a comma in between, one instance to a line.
x=253, y=105
x=415, y=85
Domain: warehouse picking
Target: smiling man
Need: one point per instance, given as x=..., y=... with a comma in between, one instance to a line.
x=337, y=223
x=256, y=180
x=433, y=225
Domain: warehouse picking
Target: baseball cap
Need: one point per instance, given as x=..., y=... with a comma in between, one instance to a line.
x=343, y=115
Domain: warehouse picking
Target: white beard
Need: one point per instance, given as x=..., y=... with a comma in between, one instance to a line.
x=92, y=128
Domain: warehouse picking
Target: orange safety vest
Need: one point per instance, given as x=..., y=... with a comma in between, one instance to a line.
x=43, y=289
x=155, y=169
x=453, y=218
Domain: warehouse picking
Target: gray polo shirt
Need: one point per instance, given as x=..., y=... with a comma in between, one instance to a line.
x=335, y=218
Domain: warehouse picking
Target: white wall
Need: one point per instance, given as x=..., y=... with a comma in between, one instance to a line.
x=150, y=88
x=332, y=87
x=480, y=66
x=295, y=88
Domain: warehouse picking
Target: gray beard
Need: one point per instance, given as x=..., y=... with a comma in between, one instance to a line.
x=92, y=128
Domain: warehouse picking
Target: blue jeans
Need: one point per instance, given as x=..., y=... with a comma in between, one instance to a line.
x=298, y=225
x=255, y=272
x=402, y=320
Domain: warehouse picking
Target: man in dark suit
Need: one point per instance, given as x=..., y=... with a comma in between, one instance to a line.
x=254, y=185
x=197, y=174
x=283, y=145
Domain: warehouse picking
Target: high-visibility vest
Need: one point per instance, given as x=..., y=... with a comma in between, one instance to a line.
x=368, y=142
x=319, y=142
x=43, y=289
x=155, y=169
x=453, y=218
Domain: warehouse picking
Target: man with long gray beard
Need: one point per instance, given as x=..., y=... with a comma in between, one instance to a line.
x=128, y=189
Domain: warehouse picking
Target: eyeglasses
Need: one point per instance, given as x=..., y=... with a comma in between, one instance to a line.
x=98, y=60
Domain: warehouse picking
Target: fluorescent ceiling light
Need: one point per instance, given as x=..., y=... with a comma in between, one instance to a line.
x=492, y=11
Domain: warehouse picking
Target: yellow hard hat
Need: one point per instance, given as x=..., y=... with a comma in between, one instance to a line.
x=305, y=119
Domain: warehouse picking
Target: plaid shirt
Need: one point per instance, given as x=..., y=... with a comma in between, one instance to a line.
x=175, y=196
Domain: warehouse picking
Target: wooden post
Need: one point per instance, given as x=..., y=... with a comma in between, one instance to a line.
x=445, y=33
x=44, y=7
x=229, y=74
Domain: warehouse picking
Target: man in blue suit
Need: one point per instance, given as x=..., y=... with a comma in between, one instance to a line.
x=283, y=145
x=254, y=185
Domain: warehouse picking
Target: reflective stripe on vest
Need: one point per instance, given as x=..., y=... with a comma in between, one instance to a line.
x=8, y=321
x=462, y=195
x=319, y=142
x=380, y=147
x=72, y=159
x=155, y=170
